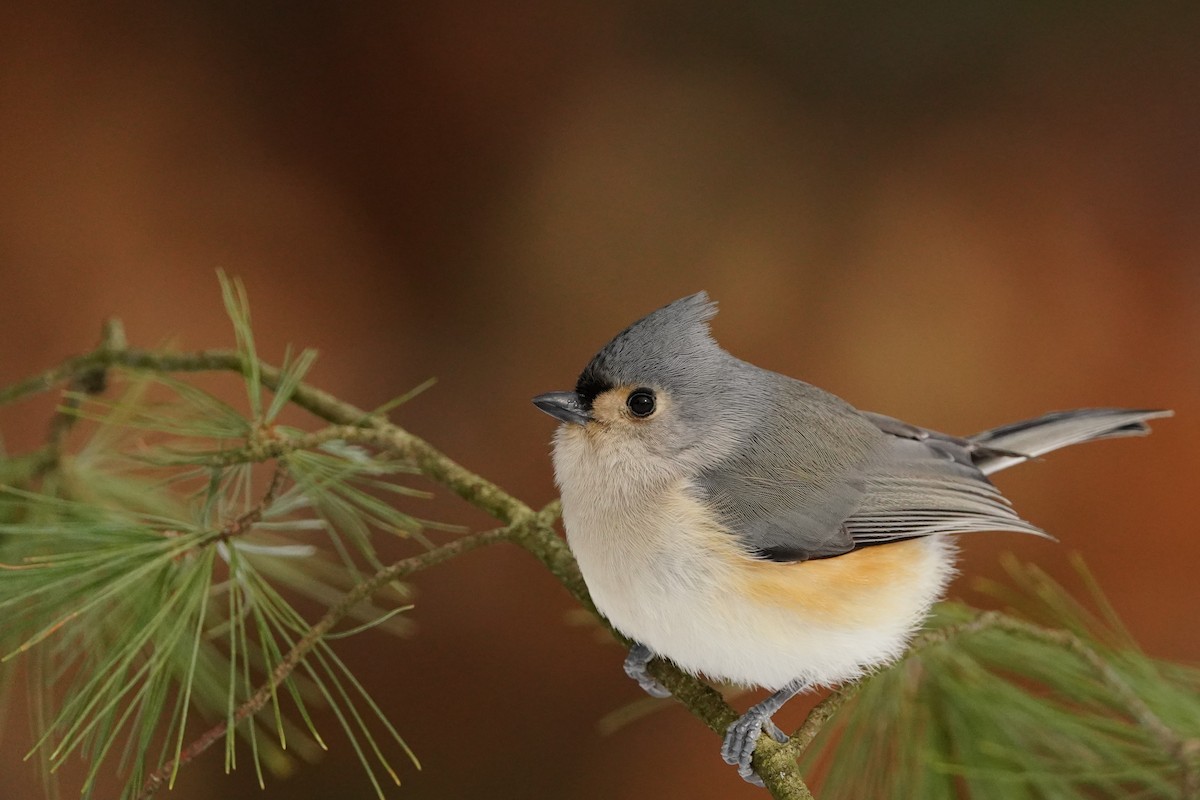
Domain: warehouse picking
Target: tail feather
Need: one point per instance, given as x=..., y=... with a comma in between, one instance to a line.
x=1007, y=445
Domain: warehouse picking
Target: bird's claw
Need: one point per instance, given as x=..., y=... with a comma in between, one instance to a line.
x=651, y=686
x=635, y=667
x=741, y=739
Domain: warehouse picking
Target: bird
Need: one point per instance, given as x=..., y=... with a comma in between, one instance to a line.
x=760, y=531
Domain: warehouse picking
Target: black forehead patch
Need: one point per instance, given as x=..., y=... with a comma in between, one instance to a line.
x=591, y=384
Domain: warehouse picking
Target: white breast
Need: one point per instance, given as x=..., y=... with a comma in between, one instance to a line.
x=666, y=575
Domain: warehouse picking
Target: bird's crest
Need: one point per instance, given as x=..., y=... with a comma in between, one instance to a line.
x=665, y=346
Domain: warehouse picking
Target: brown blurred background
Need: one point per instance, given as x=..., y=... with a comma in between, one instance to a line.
x=961, y=216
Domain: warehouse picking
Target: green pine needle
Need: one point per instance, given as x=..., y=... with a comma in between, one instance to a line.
x=293, y=372
x=237, y=306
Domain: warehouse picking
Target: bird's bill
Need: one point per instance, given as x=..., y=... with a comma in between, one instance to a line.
x=564, y=406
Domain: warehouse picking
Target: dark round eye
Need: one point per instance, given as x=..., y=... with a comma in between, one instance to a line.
x=641, y=402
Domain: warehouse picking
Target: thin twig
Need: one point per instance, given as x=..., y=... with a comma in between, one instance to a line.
x=247, y=520
x=818, y=716
x=91, y=381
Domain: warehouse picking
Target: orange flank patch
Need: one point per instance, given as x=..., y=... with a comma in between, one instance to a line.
x=851, y=588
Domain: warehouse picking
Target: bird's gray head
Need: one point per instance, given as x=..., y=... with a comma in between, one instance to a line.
x=662, y=387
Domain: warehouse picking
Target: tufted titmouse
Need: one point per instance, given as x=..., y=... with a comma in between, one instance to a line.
x=761, y=531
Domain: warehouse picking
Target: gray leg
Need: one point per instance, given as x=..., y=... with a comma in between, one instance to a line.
x=635, y=667
x=742, y=736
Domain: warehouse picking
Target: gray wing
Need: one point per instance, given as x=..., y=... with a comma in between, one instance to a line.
x=849, y=480
x=926, y=488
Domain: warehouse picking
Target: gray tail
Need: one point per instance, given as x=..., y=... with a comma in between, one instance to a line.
x=1000, y=448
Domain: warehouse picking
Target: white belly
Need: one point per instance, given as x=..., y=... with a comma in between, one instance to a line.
x=667, y=577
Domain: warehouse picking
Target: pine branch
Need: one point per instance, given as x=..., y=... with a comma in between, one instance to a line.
x=1182, y=750
x=964, y=651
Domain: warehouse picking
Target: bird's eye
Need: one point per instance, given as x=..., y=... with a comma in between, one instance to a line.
x=641, y=402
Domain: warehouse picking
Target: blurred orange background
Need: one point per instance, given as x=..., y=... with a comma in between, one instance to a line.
x=961, y=216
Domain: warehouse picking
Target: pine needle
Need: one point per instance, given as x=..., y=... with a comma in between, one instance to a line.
x=237, y=306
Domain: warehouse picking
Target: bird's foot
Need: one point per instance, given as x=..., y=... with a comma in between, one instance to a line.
x=741, y=739
x=635, y=667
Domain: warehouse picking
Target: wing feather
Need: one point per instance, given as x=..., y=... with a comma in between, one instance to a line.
x=807, y=500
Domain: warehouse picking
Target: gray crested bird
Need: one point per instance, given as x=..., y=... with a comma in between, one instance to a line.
x=761, y=531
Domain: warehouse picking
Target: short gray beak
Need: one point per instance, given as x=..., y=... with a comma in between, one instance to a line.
x=564, y=406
